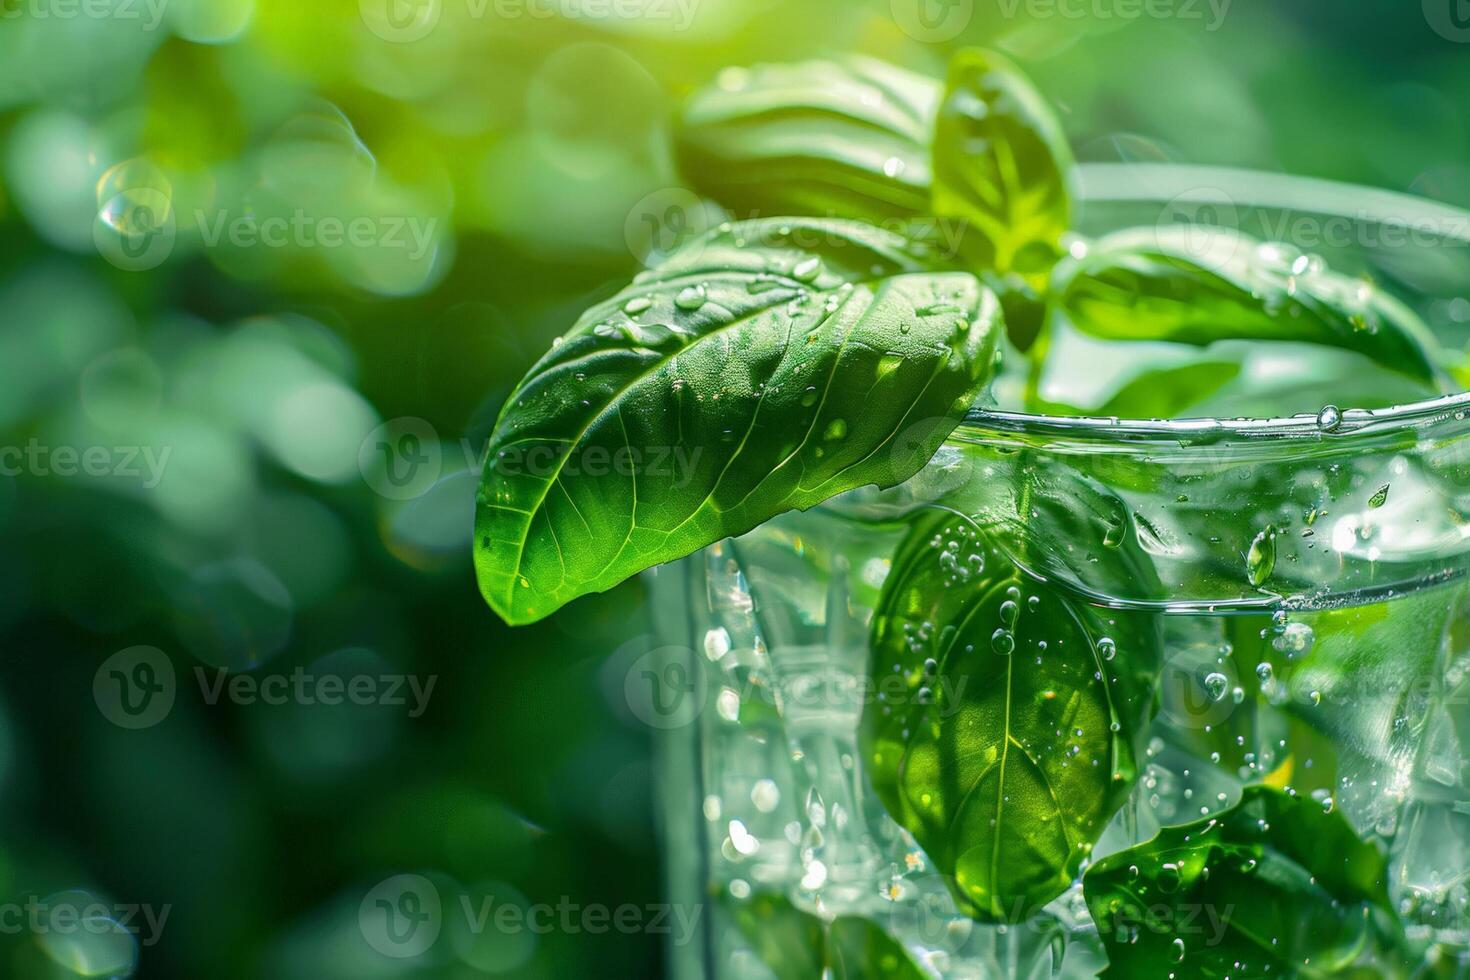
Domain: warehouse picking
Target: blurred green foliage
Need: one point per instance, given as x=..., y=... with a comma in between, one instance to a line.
x=267, y=270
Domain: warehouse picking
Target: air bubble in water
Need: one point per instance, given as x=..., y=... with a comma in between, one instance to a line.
x=1295, y=639
x=1216, y=685
x=1106, y=648
x=716, y=643
x=1329, y=418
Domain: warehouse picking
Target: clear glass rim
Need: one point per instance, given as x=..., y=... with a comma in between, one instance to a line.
x=1161, y=183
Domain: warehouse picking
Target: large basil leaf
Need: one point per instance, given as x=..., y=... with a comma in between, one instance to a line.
x=1002, y=165
x=845, y=139
x=1173, y=283
x=797, y=945
x=768, y=367
x=983, y=180
x=1275, y=886
x=1017, y=735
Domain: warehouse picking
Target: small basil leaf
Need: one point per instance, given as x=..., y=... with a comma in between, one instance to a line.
x=1170, y=284
x=843, y=139
x=1002, y=165
x=1022, y=304
x=797, y=945
x=766, y=368
x=857, y=949
x=1273, y=886
x=789, y=941
x=1167, y=393
x=1018, y=730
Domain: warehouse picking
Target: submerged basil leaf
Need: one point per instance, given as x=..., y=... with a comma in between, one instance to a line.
x=1017, y=732
x=857, y=949
x=791, y=942
x=1002, y=165
x=766, y=368
x=1272, y=887
x=1178, y=284
x=846, y=139
x=1366, y=676
x=797, y=945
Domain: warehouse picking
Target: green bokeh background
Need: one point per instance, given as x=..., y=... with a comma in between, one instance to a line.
x=526, y=142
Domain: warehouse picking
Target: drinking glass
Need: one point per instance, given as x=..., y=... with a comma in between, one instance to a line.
x=1305, y=574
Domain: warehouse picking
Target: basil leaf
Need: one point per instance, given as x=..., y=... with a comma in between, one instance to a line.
x=791, y=942
x=1368, y=680
x=861, y=139
x=797, y=945
x=1002, y=165
x=1273, y=886
x=767, y=367
x=1018, y=731
x=1166, y=393
x=857, y=949
x=1172, y=284
x=845, y=138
